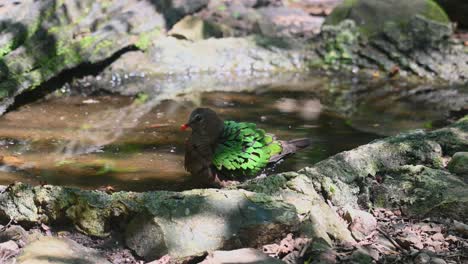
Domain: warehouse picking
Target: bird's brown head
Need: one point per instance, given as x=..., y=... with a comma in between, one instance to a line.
x=204, y=121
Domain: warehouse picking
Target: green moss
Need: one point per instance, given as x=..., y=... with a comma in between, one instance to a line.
x=341, y=12
x=141, y=98
x=87, y=41
x=380, y=201
x=68, y=53
x=146, y=38
x=6, y=49
x=435, y=12
x=103, y=45
x=438, y=162
x=339, y=42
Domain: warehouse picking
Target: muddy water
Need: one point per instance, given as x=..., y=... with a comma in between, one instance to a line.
x=61, y=140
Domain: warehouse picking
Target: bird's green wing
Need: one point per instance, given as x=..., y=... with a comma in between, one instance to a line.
x=244, y=147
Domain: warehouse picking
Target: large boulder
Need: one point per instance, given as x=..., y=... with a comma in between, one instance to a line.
x=406, y=171
x=377, y=17
x=396, y=36
x=206, y=220
x=59, y=250
x=181, y=65
x=185, y=223
x=41, y=39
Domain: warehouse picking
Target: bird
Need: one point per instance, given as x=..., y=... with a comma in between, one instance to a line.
x=219, y=153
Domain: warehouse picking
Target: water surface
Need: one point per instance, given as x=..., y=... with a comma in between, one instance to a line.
x=118, y=141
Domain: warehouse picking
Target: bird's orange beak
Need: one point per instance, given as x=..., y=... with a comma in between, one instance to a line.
x=184, y=127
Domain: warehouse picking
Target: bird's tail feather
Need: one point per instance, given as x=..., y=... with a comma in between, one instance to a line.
x=300, y=143
x=290, y=147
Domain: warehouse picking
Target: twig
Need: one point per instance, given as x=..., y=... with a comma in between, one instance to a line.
x=387, y=236
x=304, y=249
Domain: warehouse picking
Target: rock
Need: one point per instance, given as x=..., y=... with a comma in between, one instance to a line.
x=240, y=55
x=459, y=164
x=322, y=222
x=59, y=250
x=240, y=16
x=8, y=250
x=421, y=190
x=361, y=223
x=460, y=228
x=15, y=233
x=437, y=261
x=387, y=36
x=208, y=220
x=422, y=258
x=40, y=39
x=194, y=28
x=374, y=18
x=244, y=255
x=288, y=22
x=342, y=177
x=18, y=206
x=9, y=246
x=187, y=223
x=182, y=66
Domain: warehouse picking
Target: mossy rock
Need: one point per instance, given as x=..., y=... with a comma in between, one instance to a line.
x=373, y=16
x=459, y=164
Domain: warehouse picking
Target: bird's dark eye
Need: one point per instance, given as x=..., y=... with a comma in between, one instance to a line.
x=198, y=118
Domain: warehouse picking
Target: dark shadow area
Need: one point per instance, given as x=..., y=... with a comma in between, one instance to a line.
x=66, y=76
x=75, y=260
x=19, y=32
x=41, y=48
x=172, y=13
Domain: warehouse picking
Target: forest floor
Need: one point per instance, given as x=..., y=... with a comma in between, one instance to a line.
x=395, y=239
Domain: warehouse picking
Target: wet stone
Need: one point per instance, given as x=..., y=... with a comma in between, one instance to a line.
x=15, y=233
x=48, y=250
